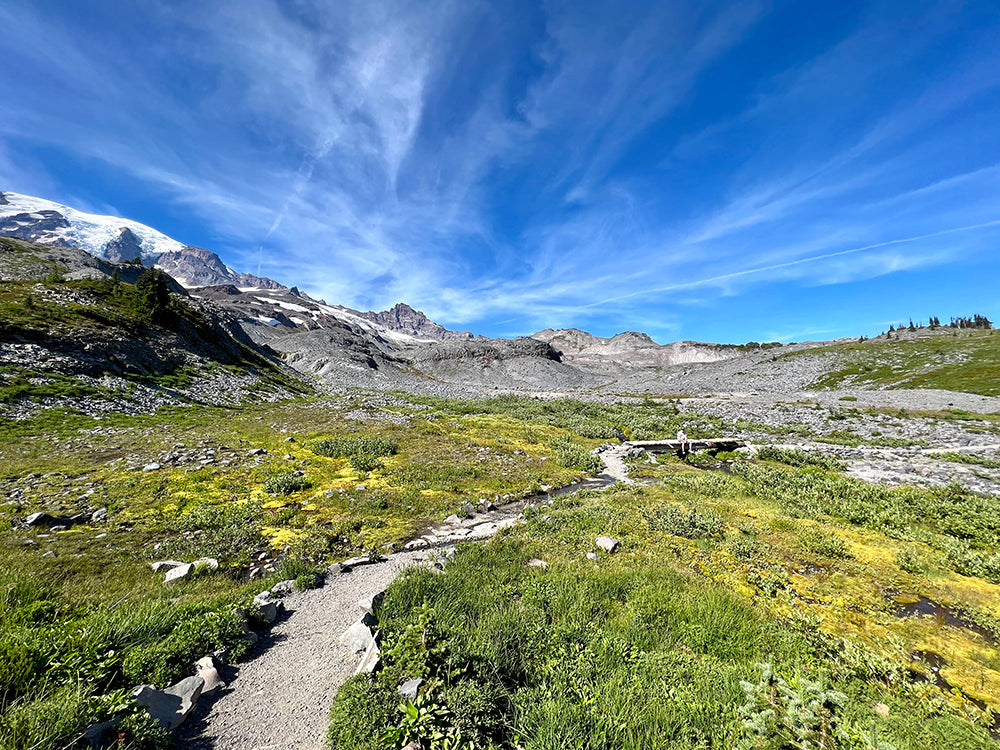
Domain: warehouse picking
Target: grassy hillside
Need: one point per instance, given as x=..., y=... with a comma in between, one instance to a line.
x=950, y=359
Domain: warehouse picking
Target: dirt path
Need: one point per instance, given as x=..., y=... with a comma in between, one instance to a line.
x=281, y=697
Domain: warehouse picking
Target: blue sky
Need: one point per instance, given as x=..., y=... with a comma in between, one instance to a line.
x=721, y=172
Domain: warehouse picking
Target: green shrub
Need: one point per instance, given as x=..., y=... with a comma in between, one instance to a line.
x=284, y=483
x=805, y=714
x=168, y=660
x=140, y=731
x=686, y=522
x=821, y=543
x=345, y=447
x=575, y=456
x=19, y=667
x=364, y=707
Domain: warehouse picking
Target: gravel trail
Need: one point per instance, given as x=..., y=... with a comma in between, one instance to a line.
x=281, y=697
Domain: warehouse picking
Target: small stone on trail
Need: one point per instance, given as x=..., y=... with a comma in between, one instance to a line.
x=359, y=635
x=607, y=543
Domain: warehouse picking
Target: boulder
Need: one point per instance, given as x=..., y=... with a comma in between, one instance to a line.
x=269, y=608
x=371, y=659
x=607, y=543
x=369, y=603
x=359, y=635
x=283, y=588
x=170, y=707
x=175, y=574
x=206, y=669
x=97, y=735
x=165, y=565
x=38, y=519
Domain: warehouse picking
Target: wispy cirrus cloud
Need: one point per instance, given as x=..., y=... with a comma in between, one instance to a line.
x=521, y=166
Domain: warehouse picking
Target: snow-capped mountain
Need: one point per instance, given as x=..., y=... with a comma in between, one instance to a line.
x=52, y=223
x=117, y=240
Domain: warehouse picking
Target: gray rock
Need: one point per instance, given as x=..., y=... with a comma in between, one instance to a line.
x=453, y=520
x=469, y=509
x=38, y=519
x=99, y=516
x=206, y=669
x=97, y=734
x=269, y=608
x=172, y=706
x=607, y=543
x=165, y=565
x=175, y=574
x=369, y=603
x=371, y=659
x=359, y=635
x=50, y=553
x=283, y=588
x=410, y=688
x=257, y=452
x=152, y=466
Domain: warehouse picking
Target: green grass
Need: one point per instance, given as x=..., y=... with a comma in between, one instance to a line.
x=949, y=359
x=652, y=646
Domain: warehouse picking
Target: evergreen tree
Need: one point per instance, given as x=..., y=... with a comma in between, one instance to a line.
x=152, y=295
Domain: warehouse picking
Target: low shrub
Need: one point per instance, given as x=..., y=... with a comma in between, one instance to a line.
x=284, y=483
x=575, y=456
x=689, y=523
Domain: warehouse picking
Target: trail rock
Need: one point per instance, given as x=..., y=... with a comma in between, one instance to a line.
x=206, y=669
x=358, y=637
x=172, y=706
x=269, y=608
x=371, y=659
x=369, y=603
x=410, y=688
x=283, y=588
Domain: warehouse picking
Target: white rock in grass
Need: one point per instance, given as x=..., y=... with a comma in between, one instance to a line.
x=607, y=543
x=206, y=563
x=536, y=563
x=177, y=573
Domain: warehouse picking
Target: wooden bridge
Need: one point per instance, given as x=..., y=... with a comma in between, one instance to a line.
x=712, y=445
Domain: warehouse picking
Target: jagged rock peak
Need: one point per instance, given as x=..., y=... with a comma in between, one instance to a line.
x=3, y=200
x=404, y=319
x=125, y=247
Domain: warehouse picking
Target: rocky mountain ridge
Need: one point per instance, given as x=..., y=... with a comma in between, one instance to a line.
x=118, y=240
